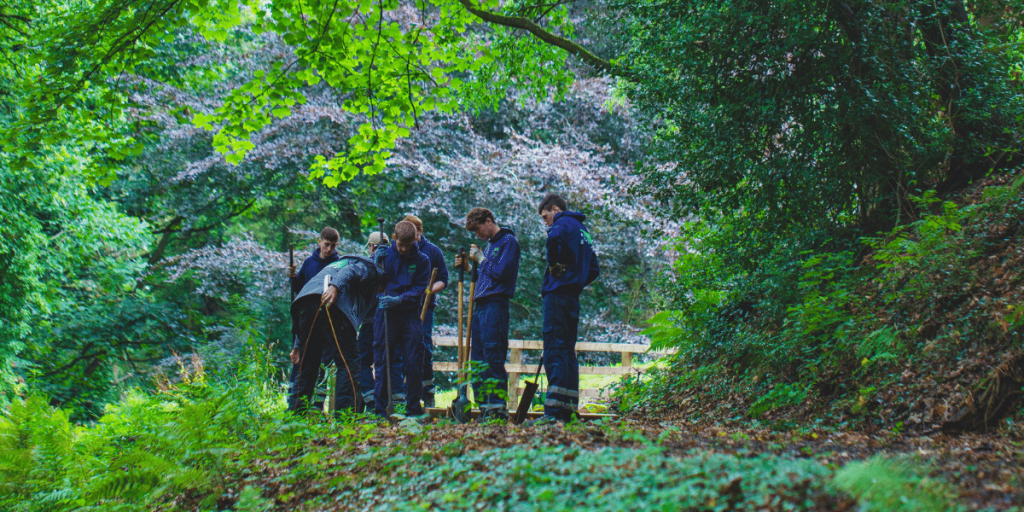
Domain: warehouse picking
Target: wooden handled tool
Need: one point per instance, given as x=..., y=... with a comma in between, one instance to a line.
x=429, y=293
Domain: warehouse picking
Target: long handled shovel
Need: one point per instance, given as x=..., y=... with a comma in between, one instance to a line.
x=390, y=409
x=528, y=393
x=461, y=404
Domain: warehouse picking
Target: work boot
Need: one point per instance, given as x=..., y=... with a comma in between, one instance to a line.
x=428, y=400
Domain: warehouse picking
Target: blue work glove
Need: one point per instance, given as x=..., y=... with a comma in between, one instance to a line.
x=387, y=302
x=380, y=255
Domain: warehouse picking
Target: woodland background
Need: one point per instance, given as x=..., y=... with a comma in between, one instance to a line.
x=817, y=203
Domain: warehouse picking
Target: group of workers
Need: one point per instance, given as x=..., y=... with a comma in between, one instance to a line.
x=363, y=314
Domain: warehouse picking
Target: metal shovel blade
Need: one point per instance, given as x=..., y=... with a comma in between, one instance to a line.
x=461, y=404
x=525, y=402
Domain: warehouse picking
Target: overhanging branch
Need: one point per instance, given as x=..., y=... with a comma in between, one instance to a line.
x=557, y=41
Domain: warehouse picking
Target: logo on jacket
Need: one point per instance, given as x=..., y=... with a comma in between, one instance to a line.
x=412, y=269
x=586, y=238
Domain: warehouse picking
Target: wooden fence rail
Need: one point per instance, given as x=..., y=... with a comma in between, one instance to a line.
x=516, y=367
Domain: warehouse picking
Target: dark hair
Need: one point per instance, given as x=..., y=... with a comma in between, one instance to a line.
x=552, y=200
x=405, y=231
x=477, y=217
x=330, y=235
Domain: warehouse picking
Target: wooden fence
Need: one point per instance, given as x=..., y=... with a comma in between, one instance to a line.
x=516, y=367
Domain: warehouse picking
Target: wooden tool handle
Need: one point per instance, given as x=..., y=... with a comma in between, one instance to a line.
x=429, y=293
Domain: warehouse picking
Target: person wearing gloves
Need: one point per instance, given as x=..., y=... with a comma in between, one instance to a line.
x=397, y=327
x=330, y=308
x=436, y=258
x=572, y=265
x=324, y=254
x=497, y=273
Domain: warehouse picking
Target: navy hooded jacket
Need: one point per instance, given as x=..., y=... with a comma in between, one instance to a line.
x=570, y=244
x=356, y=279
x=311, y=267
x=497, y=276
x=436, y=258
x=407, y=277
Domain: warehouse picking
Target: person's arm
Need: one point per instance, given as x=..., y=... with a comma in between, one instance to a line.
x=297, y=282
x=442, y=272
x=506, y=266
x=557, y=248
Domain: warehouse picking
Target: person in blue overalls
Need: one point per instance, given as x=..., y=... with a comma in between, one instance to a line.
x=433, y=253
x=324, y=254
x=497, y=273
x=397, y=326
x=572, y=265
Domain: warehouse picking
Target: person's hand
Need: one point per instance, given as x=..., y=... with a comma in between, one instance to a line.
x=438, y=287
x=294, y=356
x=329, y=296
x=476, y=254
x=558, y=269
x=380, y=255
x=291, y=270
x=462, y=263
x=387, y=302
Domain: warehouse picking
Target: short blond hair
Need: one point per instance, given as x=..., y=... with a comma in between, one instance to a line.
x=415, y=221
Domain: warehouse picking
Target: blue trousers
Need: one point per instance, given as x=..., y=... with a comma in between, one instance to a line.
x=404, y=336
x=318, y=335
x=490, y=346
x=428, y=353
x=561, y=323
x=365, y=345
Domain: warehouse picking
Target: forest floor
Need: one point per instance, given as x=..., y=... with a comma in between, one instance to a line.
x=634, y=464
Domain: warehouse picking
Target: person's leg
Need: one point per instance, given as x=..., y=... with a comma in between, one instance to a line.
x=572, y=311
x=412, y=345
x=398, y=372
x=365, y=348
x=428, y=359
x=476, y=355
x=310, y=350
x=380, y=357
x=559, y=355
x=494, y=340
x=293, y=386
x=346, y=393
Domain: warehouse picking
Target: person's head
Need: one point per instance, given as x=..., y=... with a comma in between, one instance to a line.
x=374, y=240
x=418, y=223
x=328, y=242
x=405, y=237
x=480, y=222
x=550, y=206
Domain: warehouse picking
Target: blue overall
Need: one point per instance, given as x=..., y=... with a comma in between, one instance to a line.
x=313, y=346
x=569, y=245
x=436, y=258
x=407, y=279
x=310, y=267
x=495, y=286
x=490, y=344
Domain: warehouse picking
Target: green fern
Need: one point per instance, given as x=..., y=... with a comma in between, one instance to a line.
x=885, y=484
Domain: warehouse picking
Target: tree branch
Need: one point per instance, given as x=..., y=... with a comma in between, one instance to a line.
x=557, y=41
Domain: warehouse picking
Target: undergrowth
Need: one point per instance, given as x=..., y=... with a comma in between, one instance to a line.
x=847, y=326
